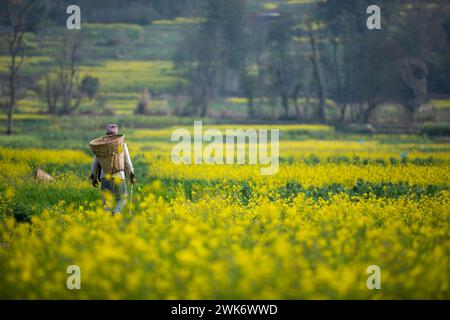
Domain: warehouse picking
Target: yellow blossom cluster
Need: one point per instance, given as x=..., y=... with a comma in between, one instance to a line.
x=207, y=231
x=217, y=248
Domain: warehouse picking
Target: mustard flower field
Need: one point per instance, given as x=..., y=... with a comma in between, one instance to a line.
x=337, y=205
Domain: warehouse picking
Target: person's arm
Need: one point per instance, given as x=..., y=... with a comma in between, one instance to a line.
x=128, y=164
x=94, y=172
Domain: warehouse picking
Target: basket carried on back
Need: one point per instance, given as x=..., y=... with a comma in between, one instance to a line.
x=109, y=151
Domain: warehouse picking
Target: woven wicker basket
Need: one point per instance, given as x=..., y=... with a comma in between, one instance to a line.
x=109, y=151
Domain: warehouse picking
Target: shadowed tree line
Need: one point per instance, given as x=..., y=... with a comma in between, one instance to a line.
x=287, y=62
x=322, y=51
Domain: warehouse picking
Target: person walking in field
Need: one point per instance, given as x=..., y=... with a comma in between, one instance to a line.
x=112, y=178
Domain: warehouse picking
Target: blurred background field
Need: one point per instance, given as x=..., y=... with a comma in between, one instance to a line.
x=259, y=55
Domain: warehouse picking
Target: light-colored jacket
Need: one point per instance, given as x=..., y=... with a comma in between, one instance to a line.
x=95, y=167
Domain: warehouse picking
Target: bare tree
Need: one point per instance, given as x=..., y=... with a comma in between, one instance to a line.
x=62, y=88
x=14, y=16
x=68, y=73
x=205, y=56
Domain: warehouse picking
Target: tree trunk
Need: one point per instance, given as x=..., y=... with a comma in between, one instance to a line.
x=9, y=127
x=307, y=103
x=352, y=113
x=316, y=74
x=12, y=94
x=250, y=107
x=204, y=101
x=368, y=113
x=12, y=103
x=16, y=51
x=298, y=112
x=204, y=109
x=68, y=74
x=285, y=104
x=342, y=103
x=336, y=69
x=343, y=108
x=409, y=114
